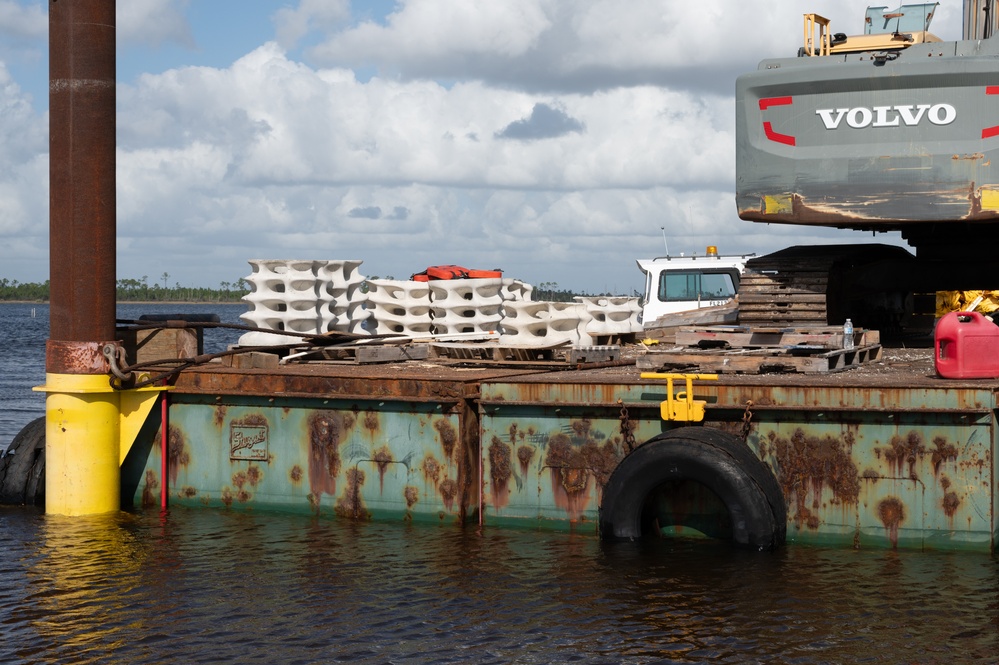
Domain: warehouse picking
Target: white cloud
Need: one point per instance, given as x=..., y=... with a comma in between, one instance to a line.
x=153, y=22
x=547, y=137
x=23, y=167
x=294, y=23
x=23, y=20
x=565, y=45
x=285, y=123
x=431, y=29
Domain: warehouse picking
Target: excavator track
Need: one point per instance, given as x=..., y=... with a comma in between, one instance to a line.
x=778, y=292
x=821, y=285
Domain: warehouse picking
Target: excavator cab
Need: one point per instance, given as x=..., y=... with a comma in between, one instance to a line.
x=905, y=19
x=883, y=30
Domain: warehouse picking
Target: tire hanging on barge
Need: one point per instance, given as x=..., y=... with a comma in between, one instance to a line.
x=743, y=485
x=22, y=467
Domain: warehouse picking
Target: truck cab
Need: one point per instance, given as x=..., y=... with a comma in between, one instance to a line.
x=677, y=285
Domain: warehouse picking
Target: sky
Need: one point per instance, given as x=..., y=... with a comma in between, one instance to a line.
x=557, y=140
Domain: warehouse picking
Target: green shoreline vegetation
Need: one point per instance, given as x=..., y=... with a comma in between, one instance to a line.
x=140, y=290
x=135, y=290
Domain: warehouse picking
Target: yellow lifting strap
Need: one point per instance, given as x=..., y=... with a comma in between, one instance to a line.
x=682, y=406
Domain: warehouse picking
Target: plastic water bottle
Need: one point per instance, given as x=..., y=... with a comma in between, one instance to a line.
x=848, y=334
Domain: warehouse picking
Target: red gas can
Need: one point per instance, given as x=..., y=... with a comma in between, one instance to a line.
x=966, y=346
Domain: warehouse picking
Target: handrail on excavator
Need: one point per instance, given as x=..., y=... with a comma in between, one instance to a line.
x=813, y=23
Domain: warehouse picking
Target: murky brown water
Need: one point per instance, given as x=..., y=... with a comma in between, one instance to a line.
x=210, y=586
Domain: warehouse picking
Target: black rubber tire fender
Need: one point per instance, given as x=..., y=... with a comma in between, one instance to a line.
x=22, y=471
x=715, y=459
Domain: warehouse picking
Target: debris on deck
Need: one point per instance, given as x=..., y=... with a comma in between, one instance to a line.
x=444, y=353
x=764, y=350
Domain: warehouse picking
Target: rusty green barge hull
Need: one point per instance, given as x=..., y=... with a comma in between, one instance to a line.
x=874, y=461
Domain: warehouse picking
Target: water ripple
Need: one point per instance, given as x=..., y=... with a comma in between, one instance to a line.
x=219, y=587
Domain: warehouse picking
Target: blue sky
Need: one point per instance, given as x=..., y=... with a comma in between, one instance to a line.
x=550, y=138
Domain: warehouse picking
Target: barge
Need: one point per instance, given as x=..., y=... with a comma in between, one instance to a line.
x=883, y=455
x=857, y=457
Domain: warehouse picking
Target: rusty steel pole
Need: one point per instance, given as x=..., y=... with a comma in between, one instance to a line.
x=82, y=411
x=81, y=171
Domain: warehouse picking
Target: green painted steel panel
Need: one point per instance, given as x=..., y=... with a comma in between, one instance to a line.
x=857, y=466
x=328, y=457
x=549, y=464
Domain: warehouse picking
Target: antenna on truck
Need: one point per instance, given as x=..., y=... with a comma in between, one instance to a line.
x=663, y=229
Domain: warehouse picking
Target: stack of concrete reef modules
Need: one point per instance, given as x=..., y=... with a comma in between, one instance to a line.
x=311, y=297
x=324, y=296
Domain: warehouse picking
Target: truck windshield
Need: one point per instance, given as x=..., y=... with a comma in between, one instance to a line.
x=694, y=285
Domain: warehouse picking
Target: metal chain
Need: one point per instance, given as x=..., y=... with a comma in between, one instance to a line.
x=747, y=420
x=627, y=428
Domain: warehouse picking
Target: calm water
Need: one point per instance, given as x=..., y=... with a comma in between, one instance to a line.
x=23, y=331
x=226, y=587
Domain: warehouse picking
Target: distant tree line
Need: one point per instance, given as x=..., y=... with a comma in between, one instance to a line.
x=552, y=292
x=135, y=290
x=140, y=290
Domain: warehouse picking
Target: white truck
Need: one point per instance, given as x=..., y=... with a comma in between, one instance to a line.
x=691, y=290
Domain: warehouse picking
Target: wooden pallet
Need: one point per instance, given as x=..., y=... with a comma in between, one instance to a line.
x=762, y=350
x=805, y=360
x=828, y=337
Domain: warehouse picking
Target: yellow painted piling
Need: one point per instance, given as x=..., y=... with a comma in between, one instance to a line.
x=89, y=429
x=82, y=425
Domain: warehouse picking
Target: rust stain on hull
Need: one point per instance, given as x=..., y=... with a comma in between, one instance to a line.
x=903, y=453
x=350, y=504
x=325, y=429
x=942, y=451
x=371, y=422
x=808, y=464
x=382, y=460
x=448, y=490
x=951, y=502
x=524, y=455
x=500, y=471
x=178, y=454
x=891, y=512
x=448, y=437
x=150, y=490
x=220, y=411
x=431, y=470
x=576, y=470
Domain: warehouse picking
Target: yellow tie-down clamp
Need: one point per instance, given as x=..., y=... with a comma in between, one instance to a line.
x=682, y=406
